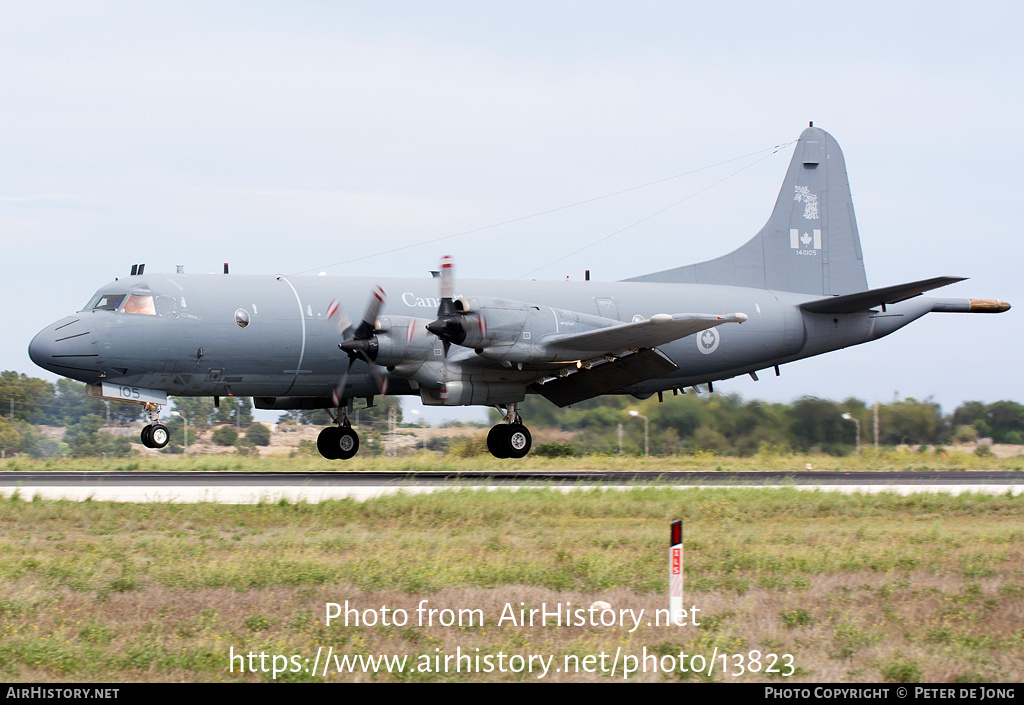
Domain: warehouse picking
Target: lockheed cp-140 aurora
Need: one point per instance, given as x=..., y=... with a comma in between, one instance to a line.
x=797, y=288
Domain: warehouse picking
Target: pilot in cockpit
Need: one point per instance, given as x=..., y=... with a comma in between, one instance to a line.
x=140, y=303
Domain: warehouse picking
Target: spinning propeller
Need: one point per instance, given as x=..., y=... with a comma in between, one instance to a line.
x=359, y=342
x=451, y=324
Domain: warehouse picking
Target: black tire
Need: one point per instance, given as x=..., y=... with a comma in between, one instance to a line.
x=497, y=440
x=147, y=436
x=348, y=443
x=519, y=441
x=159, y=436
x=327, y=443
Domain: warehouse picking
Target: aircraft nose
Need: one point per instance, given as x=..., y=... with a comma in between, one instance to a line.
x=67, y=348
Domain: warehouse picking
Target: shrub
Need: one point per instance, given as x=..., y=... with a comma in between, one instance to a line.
x=461, y=447
x=258, y=434
x=245, y=446
x=556, y=450
x=225, y=435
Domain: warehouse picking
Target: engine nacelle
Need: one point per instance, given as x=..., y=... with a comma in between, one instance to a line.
x=403, y=340
x=463, y=393
x=493, y=323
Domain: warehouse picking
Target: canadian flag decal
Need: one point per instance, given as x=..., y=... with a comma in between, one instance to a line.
x=804, y=240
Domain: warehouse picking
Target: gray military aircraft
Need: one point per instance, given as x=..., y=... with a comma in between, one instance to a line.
x=796, y=289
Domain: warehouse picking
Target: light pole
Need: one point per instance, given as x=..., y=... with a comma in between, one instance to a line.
x=419, y=423
x=647, y=429
x=182, y=417
x=857, y=423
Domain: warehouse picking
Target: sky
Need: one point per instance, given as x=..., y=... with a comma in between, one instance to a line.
x=372, y=138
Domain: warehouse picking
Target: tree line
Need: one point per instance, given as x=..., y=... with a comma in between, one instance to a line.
x=724, y=424
x=28, y=403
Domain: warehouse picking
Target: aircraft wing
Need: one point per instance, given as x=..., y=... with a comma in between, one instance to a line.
x=657, y=330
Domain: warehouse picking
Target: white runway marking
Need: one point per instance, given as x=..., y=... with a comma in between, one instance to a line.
x=255, y=494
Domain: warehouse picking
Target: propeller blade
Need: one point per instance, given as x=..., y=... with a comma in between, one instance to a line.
x=338, y=318
x=380, y=377
x=447, y=278
x=448, y=326
x=373, y=307
x=361, y=343
x=339, y=390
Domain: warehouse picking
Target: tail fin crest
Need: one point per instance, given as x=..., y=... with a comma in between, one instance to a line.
x=809, y=245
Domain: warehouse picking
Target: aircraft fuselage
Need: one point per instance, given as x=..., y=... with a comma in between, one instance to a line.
x=193, y=343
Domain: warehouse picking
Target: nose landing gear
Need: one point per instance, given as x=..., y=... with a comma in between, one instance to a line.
x=155, y=434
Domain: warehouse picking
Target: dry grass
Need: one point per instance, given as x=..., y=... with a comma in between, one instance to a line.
x=856, y=588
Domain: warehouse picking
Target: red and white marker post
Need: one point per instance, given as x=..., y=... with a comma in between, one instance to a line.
x=675, y=574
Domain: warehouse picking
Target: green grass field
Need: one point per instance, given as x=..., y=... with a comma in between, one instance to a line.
x=851, y=587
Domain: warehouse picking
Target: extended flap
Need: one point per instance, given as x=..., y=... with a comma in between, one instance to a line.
x=605, y=377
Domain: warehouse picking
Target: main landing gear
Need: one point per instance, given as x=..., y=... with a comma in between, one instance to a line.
x=338, y=442
x=510, y=438
x=155, y=434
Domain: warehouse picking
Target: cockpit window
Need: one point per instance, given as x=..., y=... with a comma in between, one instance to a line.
x=167, y=306
x=138, y=300
x=108, y=302
x=140, y=303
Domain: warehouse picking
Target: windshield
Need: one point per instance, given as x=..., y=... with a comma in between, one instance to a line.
x=108, y=302
x=138, y=300
x=140, y=303
x=144, y=303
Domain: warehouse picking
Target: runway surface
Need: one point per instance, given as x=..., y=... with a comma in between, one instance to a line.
x=253, y=487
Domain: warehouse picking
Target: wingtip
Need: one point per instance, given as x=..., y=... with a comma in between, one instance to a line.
x=989, y=306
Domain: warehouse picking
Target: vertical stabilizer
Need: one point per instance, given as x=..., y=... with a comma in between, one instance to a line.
x=809, y=245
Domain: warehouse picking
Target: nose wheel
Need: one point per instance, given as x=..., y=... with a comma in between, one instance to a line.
x=155, y=436
x=510, y=438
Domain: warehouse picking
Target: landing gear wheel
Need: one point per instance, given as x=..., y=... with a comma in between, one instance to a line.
x=348, y=443
x=147, y=436
x=159, y=436
x=497, y=440
x=519, y=440
x=337, y=443
x=327, y=443
x=509, y=440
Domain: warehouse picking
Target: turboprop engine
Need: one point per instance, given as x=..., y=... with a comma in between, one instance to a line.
x=510, y=332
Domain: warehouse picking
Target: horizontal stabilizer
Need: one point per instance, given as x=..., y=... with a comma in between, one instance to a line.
x=606, y=377
x=659, y=329
x=864, y=300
